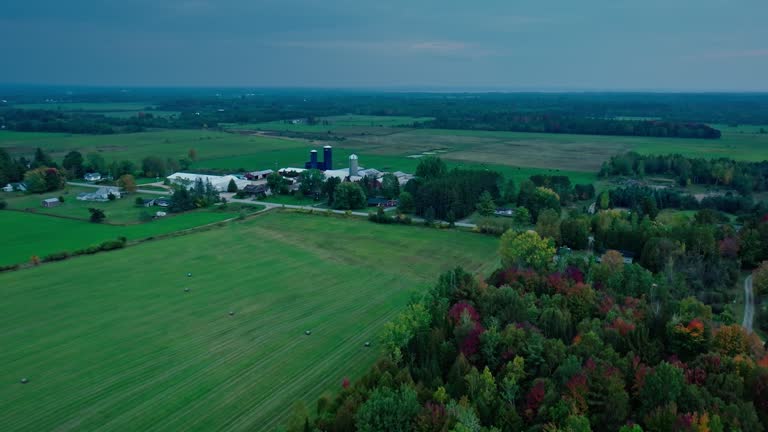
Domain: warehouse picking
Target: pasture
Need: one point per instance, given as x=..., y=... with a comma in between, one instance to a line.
x=112, y=341
x=27, y=234
x=119, y=211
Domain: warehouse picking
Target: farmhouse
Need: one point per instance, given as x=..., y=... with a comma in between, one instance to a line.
x=256, y=190
x=219, y=183
x=101, y=194
x=92, y=177
x=15, y=187
x=162, y=202
x=50, y=202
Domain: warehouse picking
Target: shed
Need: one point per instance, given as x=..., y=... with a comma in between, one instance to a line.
x=50, y=202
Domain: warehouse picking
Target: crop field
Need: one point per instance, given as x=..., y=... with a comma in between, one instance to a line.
x=119, y=211
x=27, y=234
x=112, y=341
x=340, y=125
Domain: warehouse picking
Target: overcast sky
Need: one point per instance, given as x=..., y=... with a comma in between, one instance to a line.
x=482, y=44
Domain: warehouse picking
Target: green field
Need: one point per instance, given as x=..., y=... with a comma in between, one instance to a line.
x=27, y=234
x=112, y=342
x=337, y=124
x=95, y=107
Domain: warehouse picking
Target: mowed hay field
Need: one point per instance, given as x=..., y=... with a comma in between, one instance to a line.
x=112, y=341
x=27, y=234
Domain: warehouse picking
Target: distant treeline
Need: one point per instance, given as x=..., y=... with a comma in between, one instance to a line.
x=678, y=115
x=745, y=177
x=557, y=123
x=648, y=201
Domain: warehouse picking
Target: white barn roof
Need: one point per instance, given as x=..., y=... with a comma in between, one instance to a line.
x=219, y=183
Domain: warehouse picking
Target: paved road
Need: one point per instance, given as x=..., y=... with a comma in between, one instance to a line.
x=749, y=305
x=144, y=191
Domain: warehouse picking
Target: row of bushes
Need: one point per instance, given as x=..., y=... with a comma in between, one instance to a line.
x=9, y=268
x=383, y=218
x=90, y=250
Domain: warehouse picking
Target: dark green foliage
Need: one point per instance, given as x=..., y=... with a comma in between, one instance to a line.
x=232, y=186
x=73, y=163
x=406, y=204
x=329, y=188
x=431, y=167
x=153, y=166
x=3, y=204
x=199, y=196
x=311, y=182
x=388, y=410
x=349, y=196
x=97, y=215
x=390, y=186
x=485, y=206
x=456, y=190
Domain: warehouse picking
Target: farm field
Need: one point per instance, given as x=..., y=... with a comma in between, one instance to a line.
x=27, y=234
x=119, y=211
x=116, y=344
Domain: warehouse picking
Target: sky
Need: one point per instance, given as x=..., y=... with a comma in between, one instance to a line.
x=512, y=45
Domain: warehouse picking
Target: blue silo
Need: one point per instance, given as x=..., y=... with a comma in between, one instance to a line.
x=313, y=159
x=328, y=157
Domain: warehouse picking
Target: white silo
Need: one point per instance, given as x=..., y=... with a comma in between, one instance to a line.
x=353, y=165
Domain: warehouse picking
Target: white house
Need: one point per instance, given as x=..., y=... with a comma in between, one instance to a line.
x=101, y=194
x=11, y=187
x=219, y=183
x=92, y=177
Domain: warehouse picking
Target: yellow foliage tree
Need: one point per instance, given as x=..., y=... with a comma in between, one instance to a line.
x=732, y=340
x=526, y=249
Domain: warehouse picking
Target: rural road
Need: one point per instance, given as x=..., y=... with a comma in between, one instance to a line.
x=144, y=191
x=749, y=305
x=269, y=205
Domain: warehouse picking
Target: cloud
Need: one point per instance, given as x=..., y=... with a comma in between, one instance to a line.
x=723, y=55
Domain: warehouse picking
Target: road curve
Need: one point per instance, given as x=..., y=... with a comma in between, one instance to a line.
x=749, y=305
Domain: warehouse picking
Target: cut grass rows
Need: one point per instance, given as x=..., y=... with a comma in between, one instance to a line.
x=112, y=342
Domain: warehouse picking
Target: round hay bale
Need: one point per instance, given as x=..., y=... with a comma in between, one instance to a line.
x=307, y=332
x=186, y=289
x=231, y=313
x=367, y=344
x=24, y=380
x=189, y=274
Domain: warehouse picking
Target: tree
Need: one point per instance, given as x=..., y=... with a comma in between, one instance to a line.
x=522, y=217
x=574, y=232
x=42, y=159
x=548, y=225
x=648, y=207
x=43, y=179
x=127, y=182
x=349, y=196
x=73, y=163
x=431, y=167
x=96, y=162
x=153, y=166
x=97, y=215
x=731, y=340
x=232, y=186
x=275, y=182
x=388, y=410
x=329, y=188
x=662, y=386
x=542, y=199
x=406, y=204
x=311, y=182
x=429, y=216
x=451, y=219
x=485, y=206
x=760, y=279
x=526, y=249
x=192, y=155
x=510, y=192
x=390, y=186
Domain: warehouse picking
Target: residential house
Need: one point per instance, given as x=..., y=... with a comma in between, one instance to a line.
x=92, y=177
x=256, y=190
x=15, y=187
x=101, y=194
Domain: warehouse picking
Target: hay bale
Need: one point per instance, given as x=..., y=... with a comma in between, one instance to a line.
x=24, y=380
x=186, y=289
x=307, y=332
x=189, y=274
x=367, y=344
x=231, y=313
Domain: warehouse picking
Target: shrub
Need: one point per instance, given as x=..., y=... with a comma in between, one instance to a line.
x=58, y=256
x=61, y=198
x=97, y=215
x=111, y=244
x=3, y=204
x=139, y=201
x=9, y=268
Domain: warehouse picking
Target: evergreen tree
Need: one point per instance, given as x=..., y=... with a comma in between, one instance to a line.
x=485, y=206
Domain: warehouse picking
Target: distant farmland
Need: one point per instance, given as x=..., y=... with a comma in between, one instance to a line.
x=112, y=341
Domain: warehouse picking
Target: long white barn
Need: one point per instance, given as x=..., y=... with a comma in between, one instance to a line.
x=219, y=183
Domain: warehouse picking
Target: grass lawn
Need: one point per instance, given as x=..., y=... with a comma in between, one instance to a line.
x=119, y=211
x=112, y=342
x=27, y=234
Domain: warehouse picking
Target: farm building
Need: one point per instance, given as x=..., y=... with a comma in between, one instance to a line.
x=219, y=183
x=257, y=175
x=92, y=177
x=256, y=190
x=504, y=212
x=162, y=202
x=50, y=202
x=101, y=194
